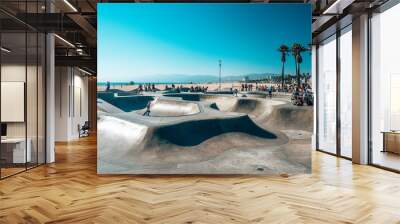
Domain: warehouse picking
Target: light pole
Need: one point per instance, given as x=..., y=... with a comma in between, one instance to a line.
x=219, y=74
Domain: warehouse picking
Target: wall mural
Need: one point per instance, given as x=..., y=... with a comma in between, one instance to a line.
x=210, y=88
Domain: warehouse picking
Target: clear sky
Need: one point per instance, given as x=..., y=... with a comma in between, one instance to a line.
x=148, y=39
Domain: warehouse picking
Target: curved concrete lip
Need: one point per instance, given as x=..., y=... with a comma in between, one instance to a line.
x=172, y=108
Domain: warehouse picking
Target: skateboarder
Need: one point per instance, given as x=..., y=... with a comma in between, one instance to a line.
x=147, y=112
x=235, y=92
x=270, y=92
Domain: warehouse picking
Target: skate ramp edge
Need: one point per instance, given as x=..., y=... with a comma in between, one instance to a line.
x=291, y=117
x=125, y=103
x=162, y=107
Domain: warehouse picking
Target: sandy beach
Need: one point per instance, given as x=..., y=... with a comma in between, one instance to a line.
x=211, y=86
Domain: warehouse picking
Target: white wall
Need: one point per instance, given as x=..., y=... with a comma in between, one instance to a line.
x=16, y=73
x=80, y=110
x=62, y=82
x=33, y=126
x=71, y=102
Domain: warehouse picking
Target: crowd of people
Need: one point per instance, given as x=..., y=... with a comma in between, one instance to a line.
x=288, y=88
x=300, y=95
x=181, y=88
x=147, y=88
x=202, y=89
x=247, y=87
x=303, y=96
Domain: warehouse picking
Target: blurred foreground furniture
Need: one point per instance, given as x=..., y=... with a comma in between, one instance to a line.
x=391, y=141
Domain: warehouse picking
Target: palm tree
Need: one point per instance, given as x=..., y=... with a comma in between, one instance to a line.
x=296, y=50
x=284, y=50
x=299, y=60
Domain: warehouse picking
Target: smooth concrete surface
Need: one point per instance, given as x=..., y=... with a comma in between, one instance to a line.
x=204, y=134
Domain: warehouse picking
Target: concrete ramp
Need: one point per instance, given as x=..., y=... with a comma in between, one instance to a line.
x=257, y=94
x=104, y=107
x=288, y=116
x=126, y=103
x=117, y=138
x=172, y=108
x=197, y=133
x=224, y=103
x=185, y=96
x=249, y=106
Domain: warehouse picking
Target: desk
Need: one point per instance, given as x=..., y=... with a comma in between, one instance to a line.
x=391, y=141
x=13, y=150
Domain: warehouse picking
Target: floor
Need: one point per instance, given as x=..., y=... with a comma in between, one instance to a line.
x=70, y=191
x=5, y=172
x=10, y=171
x=386, y=159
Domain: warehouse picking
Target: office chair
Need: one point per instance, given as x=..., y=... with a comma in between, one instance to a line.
x=84, y=130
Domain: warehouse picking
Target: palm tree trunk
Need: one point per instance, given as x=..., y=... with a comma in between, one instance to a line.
x=283, y=74
x=297, y=71
x=298, y=75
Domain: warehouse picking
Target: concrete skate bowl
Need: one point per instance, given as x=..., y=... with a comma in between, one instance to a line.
x=257, y=94
x=172, y=108
x=192, y=133
x=222, y=92
x=125, y=103
x=118, y=92
x=254, y=107
x=223, y=103
x=112, y=91
x=218, y=102
x=104, y=107
x=288, y=116
x=177, y=90
x=185, y=96
x=227, y=103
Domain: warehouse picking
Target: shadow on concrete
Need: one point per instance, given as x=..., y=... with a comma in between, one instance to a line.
x=192, y=133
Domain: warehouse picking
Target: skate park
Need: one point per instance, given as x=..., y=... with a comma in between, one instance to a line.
x=187, y=133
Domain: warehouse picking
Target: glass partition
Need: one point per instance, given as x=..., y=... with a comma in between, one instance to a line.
x=346, y=92
x=14, y=153
x=385, y=89
x=31, y=97
x=327, y=95
x=23, y=91
x=41, y=97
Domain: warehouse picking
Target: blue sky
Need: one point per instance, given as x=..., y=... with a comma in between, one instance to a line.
x=136, y=41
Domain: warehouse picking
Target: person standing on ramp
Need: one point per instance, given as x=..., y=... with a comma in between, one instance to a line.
x=147, y=112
